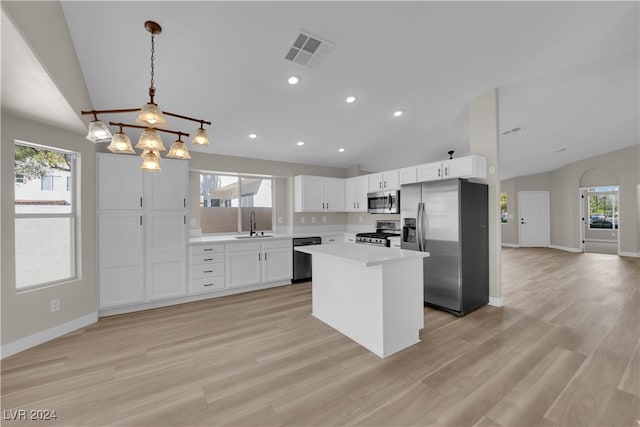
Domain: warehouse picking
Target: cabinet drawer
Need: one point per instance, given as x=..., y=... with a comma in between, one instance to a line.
x=207, y=284
x=273, y=244
x=206, y=249
x=207, y=258
x=207, y=270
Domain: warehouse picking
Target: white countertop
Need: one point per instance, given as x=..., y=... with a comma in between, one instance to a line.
x=365, y=255
x=230, y=238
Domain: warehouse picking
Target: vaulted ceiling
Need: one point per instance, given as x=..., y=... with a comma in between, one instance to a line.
x=567, y=74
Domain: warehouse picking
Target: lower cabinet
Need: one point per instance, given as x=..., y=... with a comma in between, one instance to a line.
x=166, y=275
x=121, y=263
x=255, y=263
x=206, y=268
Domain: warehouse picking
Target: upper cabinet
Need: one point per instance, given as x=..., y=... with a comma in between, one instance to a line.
x=473, y=166
x=167, y=190
x=318, y=194
x=384, y=181
x=119, y=182
x=122, y=185
x=355, y=193
x=408, y=175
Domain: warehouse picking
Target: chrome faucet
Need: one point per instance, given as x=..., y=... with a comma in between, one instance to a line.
x=252, y=223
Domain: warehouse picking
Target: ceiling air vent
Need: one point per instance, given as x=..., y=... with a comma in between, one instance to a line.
x=308, y=50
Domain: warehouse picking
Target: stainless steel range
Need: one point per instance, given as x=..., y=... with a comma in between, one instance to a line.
x=384, y=230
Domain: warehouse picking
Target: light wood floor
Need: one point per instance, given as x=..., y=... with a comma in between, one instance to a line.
x=563, y=351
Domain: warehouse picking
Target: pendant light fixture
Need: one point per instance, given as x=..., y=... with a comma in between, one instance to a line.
x=151, y=117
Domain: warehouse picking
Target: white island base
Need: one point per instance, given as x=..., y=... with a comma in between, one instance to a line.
x=373, y=295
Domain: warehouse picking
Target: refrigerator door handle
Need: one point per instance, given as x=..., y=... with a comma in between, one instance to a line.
x=418, y=228
x=423, y=227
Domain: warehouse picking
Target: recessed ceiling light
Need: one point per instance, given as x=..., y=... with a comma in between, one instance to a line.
x=253, y=136
x=351, y=99
x=398, y=113
x=300, y=143
x=293, y=80
x=341, y=150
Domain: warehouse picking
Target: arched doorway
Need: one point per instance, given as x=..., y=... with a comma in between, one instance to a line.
x=599, y=211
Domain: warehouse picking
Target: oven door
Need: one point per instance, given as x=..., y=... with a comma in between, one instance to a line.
x=384, y=202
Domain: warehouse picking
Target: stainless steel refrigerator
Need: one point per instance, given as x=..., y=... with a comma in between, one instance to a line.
x=449, y=219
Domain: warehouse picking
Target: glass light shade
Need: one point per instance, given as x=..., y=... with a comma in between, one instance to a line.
x=151, y=116
x=98, y=132
x=121, y=144
x=150, y=140
x=201, y=138
x=150, y=161
x=179, y=151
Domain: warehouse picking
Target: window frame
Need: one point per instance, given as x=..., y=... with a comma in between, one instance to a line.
x=239, y=177
x=72, y=215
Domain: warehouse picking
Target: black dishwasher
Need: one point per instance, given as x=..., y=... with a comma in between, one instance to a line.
x=302, y=261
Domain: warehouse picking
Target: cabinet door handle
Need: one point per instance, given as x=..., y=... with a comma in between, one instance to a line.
x=185, y=220
x=385, y=184
x=438, y=171
x=208, y=271
x=184, y=203
x=327, y=205
x=358, y=205
x=209, y=284
x=446, y=171
x=265, y=256
x=140, y=201
x=140, y=219
x=380, y=184
x=207, y=250
x=259, y=256
x=208, y=259
x=354, y=205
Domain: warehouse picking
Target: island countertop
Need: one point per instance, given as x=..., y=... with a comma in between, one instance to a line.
x=364, y=255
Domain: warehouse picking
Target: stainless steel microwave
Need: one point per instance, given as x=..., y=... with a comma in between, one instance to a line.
x=384, y=202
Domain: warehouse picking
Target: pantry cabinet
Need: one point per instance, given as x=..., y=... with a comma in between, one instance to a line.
x=142, y=233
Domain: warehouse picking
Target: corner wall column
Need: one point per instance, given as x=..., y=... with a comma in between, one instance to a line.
x=484, y=140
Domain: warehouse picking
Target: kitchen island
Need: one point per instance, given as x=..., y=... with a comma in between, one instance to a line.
x=371, y=294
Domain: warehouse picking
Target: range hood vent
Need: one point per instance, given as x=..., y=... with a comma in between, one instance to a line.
x=308, y=50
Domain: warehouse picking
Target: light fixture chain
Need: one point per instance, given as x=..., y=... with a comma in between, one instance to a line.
x=153, y=51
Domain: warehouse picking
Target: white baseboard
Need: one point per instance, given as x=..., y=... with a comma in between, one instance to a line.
x=46, y=335
x=496, y=302
x=511, y=245
x=631, y=254
x=565, y=248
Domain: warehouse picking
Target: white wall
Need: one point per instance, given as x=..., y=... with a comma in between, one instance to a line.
x=564, y=186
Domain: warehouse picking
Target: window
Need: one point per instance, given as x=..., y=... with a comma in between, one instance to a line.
x=603, y=208
x=45, y=216
x=504, y=215
x=227, y=201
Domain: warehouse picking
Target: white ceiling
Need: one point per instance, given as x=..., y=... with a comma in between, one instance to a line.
x=567, y=73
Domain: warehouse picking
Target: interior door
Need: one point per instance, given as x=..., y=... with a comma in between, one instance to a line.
x=533, y=211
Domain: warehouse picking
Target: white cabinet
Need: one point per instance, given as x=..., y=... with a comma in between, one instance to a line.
x=254, y=263
x=167, y=189
x=318, y=194
x=355, y=192
x=384, y=181
x=408, y=175
x=121, y=267
x=473, y=166
x=335, y=238
x=166, y=247
x=120, y=182
x=277, y=260
x=207, y=268
x=142, y=233
x=244, y=264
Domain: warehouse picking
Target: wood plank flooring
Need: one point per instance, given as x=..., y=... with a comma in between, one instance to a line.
x=563, y=351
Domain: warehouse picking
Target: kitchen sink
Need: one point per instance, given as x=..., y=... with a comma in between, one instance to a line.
x=253, y=237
